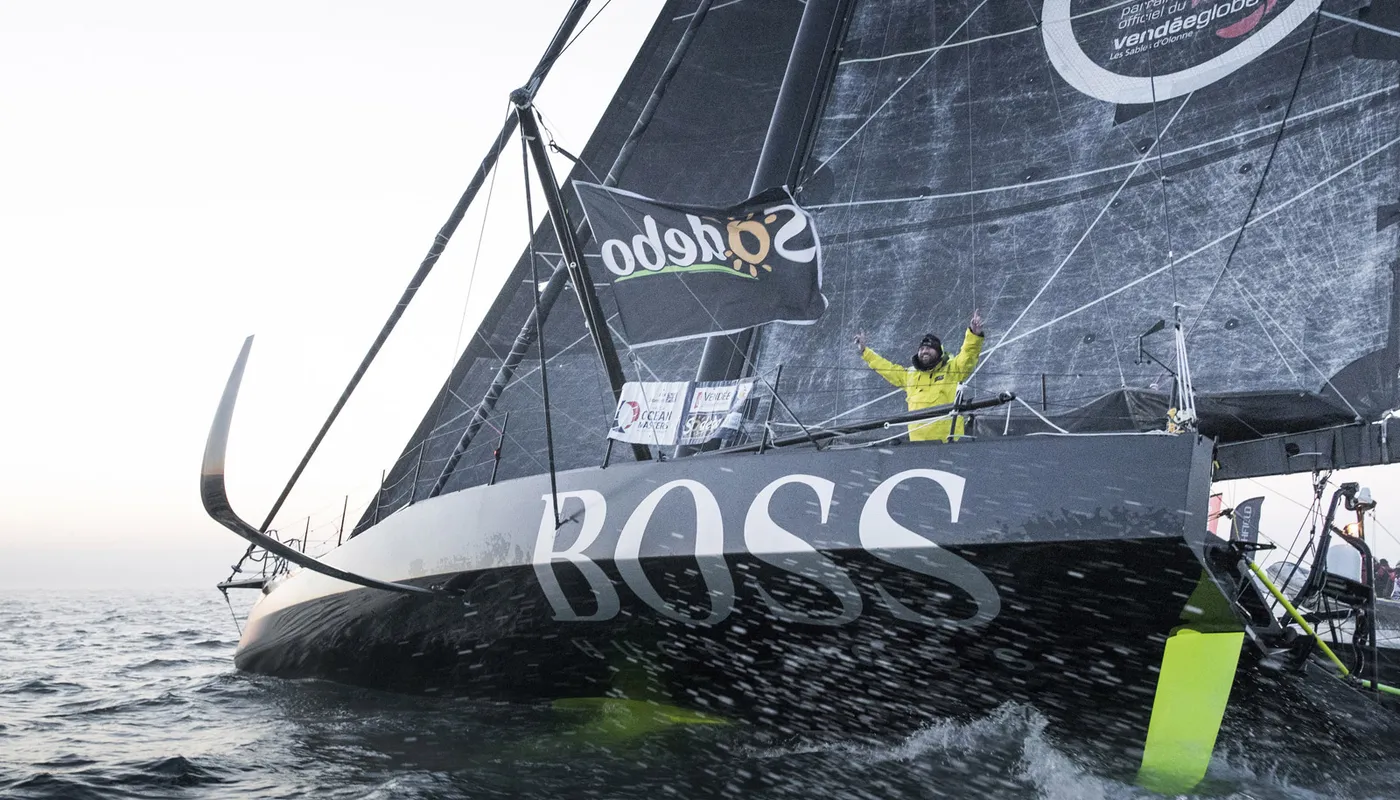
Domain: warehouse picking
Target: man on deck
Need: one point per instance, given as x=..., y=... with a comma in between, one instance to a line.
x=933, y=379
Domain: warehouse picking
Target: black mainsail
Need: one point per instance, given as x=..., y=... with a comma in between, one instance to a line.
x=1081, y=170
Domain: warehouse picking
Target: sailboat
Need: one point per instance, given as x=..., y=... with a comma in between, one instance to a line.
x=1177, y=216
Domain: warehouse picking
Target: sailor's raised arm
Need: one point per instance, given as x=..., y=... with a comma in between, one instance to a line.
x=966, y=359
x=897, y=376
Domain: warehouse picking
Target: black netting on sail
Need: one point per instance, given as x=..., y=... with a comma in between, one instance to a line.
x=1081, y=169
x=701, y=148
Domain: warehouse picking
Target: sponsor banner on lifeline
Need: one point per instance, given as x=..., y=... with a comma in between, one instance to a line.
x=671, y=413
x=715, y=410
x=650, y=413
x=679, y=272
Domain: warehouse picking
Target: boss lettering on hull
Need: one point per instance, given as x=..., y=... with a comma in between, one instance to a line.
x=585, y=513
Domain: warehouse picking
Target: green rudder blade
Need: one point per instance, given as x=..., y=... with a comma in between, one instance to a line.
x=1193, y=689
x=615, y=720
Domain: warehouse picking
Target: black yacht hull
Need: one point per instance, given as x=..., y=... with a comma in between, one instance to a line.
x=855, y=590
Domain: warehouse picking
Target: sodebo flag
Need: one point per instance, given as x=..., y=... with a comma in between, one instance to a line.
x=679, y=271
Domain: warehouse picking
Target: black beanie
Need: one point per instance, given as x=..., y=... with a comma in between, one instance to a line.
x=930, y=340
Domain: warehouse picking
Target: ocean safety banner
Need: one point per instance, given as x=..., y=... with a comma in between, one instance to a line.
x=679, y=272
x=650, y=412
x=715, y=410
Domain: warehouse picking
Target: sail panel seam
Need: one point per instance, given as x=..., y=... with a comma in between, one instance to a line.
x=1145, y=157
x=936, y=48
x=714, y=7
x=1101, y=170
x=1255, y=221
x=988, y=37
x=1360, y=23
x=1264, y=177
x=1093, y=250
x=1325, y=379
x=899, y=88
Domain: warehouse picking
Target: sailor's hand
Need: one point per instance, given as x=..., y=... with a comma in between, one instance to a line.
x=860, y=343
x=976, y=324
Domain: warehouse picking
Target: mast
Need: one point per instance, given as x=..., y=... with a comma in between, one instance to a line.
x=810, y=68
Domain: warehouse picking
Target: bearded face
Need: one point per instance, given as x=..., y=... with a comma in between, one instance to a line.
x=927, y=357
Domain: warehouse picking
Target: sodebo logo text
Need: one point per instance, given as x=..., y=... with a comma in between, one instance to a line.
x=742, y=248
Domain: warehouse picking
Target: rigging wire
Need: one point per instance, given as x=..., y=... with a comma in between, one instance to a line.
x=972, y=178
x=1303, y=353
x=744, y=356
x=232, y=613
x=1264, y=173
x=1320, y=480
x=1361, y=23
x=1006, y=337
x=557, y=279
x=1051, y=80
x=1232, y=137
x=441, y=401
x=476, y=258
x=857, y=173
x=1217, y=240
x=1376, y=520
x=899, y=88
x=1162, y=181
x=577, y=34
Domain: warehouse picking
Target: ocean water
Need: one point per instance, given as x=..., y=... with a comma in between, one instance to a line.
x=113, y=695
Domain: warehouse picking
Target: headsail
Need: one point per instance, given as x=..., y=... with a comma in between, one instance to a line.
x=712, y=119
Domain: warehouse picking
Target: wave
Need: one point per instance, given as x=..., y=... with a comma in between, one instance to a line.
x=1006, y=753
x=41, y=686
x=136, y=779
x=66, y=761
x=164, y=700
x=170, y=771
x=159, y=663
x=47, y=786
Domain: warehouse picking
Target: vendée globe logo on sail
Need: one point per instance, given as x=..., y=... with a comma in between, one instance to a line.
x=1178, y=28
x=742, y=248
x=1154, y=50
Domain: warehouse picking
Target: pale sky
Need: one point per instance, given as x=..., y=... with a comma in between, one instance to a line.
x=175, y=176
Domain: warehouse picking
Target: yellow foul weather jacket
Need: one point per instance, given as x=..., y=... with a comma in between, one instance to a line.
x=933, y=387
